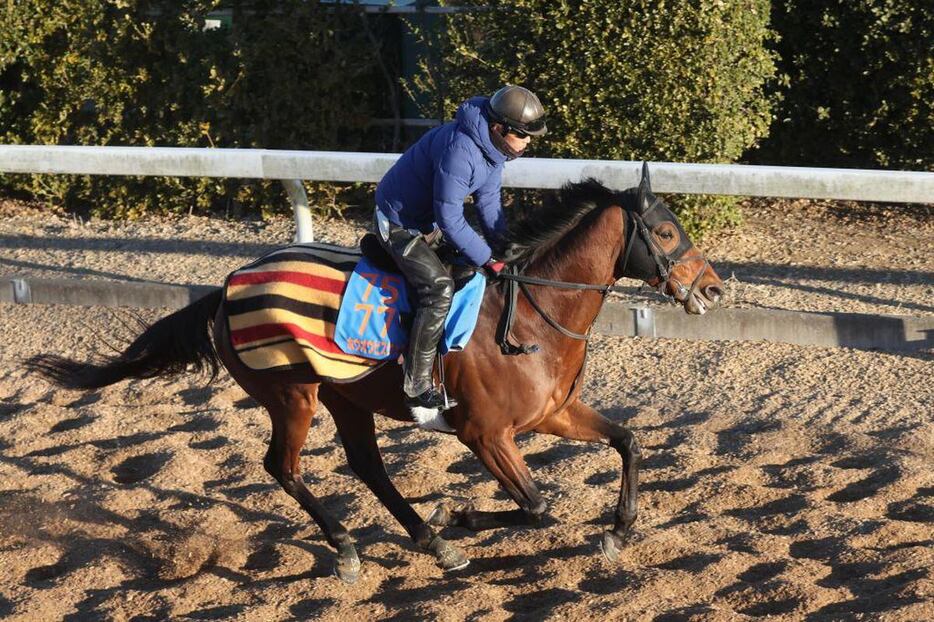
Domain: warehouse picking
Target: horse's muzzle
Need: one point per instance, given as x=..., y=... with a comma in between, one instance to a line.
x=703, y=300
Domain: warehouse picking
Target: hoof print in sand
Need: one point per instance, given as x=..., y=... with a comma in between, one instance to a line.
x=138, y=468
x=40, y=576
x=85, y=400
x=266, y=557
x=197, y=423
x=196, y=397
x=867, y=487
x=72, y=424
x=246, y=403
x=212, y=443
x=913, y=510
x=10, y=409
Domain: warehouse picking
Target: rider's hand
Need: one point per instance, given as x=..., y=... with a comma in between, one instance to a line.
x=493, y=267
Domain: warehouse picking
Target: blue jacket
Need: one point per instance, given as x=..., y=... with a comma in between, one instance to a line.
x=429, y=182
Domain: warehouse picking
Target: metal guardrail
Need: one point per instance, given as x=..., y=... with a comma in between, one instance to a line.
x=852, y=330
x=726, y=179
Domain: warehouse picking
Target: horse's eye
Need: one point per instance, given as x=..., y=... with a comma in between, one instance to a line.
x=667, y=234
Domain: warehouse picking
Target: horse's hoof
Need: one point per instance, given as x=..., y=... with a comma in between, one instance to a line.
x=449, y=556
x=347, y=571
x=440, y=516
x=611, y=546
x=347, y=565
x=448, y=514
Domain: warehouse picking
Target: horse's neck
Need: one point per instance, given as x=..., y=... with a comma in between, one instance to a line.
x=586, y=255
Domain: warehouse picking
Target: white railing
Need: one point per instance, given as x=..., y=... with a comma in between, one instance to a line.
x=292, y=166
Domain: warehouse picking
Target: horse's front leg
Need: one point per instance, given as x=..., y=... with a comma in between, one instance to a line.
x=582, y=423
x=499, y=454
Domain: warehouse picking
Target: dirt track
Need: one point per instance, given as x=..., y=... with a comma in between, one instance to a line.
x=778, y=481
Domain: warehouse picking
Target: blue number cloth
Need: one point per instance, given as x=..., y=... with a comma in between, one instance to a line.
x=374, y=313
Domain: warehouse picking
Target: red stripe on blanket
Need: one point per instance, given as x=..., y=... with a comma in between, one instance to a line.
x=245, y=336
x=311, y=281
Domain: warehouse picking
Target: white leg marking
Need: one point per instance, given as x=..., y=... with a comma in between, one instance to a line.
x=430, y=419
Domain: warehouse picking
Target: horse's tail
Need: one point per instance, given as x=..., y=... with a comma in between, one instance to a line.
x=165, y=348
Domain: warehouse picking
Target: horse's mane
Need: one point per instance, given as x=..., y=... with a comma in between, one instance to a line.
x=534, y=230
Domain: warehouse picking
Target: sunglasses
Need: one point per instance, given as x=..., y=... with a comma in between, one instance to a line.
x=533, y=128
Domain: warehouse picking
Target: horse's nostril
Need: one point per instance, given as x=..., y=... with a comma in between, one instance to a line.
x=713, y=293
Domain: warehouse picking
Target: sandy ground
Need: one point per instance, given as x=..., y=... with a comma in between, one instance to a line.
x=779, y=481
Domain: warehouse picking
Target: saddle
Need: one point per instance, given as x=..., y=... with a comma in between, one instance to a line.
x=374, y=251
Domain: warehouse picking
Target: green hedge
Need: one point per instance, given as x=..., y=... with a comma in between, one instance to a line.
x=858, y=84
x=681, y=80
x=287, y=74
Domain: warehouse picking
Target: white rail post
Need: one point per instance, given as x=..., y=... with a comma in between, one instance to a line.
x=303, y=227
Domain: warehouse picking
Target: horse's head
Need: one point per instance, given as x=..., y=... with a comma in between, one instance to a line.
x=659, y=252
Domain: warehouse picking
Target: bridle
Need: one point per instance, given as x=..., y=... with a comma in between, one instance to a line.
x=635, y=223
x=664, y=262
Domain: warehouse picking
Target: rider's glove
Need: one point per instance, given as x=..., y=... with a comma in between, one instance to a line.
x=493, y=267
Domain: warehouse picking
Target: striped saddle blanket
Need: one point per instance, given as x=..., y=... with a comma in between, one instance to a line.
x=282, y=310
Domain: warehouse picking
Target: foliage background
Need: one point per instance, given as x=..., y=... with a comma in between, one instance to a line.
x=834, y=83
x=857, y=87
x=287, y=75
x=675, y=80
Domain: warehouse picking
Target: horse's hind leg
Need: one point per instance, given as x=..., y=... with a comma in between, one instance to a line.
x=582, y=423
x=291, y=417
x=291, y=402
x=502, y=459
x=358, y=435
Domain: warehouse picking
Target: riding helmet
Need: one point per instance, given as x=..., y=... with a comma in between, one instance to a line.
x=518, y=108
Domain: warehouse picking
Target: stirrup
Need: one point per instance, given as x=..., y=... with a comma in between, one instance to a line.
x=449, y=402
x=431, y=398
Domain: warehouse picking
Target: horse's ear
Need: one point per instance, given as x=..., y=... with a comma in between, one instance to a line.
x=645, y=188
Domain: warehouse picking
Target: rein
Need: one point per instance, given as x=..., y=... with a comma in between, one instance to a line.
x=513, y=278
x=505, y=325
x=531, y=280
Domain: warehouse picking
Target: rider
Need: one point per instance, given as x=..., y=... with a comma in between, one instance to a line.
x=421, y=199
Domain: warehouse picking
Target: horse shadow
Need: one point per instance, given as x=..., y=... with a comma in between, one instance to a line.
x=525, y=569
x=79, y=550
x=916, y=509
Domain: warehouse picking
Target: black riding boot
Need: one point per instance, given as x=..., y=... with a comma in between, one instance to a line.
x=434, y=289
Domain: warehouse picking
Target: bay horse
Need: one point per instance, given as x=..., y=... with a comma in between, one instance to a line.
x=571, y=252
